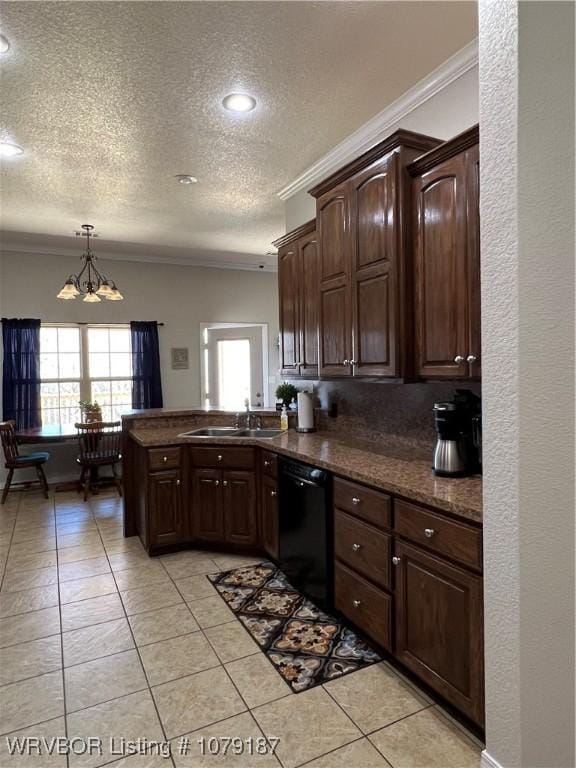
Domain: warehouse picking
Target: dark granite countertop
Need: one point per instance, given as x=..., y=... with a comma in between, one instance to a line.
x=385, y=465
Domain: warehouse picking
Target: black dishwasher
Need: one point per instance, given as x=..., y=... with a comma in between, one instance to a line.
x=305, y=530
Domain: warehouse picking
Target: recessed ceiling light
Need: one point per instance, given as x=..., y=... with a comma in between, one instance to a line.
x=4, y=44
x=7, y=149
x=239, y=102
x=184, y=178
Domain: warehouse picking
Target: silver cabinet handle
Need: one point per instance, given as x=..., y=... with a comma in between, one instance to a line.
x=346, y=362
x=356, y=603
x=396, y=560
x=428, y=532
x=266, y=463
x=273, y=493
x=177, y=482
x=216, y=482
x=164, y=459
x=219, y=457
x=356, y=500
x=458, y=359
x=471, y=359
x=225, y=482
x=356, y=547
x=353, y=362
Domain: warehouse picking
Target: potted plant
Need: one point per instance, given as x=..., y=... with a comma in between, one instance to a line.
x=286, y=392
x=90, y=411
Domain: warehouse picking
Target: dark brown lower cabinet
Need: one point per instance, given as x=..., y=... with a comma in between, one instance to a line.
x=167, y=523
x=239, y=502
x=207, y=518
x=438, y=611
x=269, y=516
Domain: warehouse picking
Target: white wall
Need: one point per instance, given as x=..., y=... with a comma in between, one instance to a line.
x=528, y=332
x=449, y=112
x=181, y=297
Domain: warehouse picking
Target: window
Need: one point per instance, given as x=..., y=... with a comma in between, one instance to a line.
x=84, y=362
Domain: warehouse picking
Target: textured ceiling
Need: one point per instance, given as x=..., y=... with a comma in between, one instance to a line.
x=111, y=100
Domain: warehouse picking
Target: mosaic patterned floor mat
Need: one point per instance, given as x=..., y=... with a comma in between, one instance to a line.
x=307, y=646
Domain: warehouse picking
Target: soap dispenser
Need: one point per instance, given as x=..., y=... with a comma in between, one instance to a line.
x=284, y=417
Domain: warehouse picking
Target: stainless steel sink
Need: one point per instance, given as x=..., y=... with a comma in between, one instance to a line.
x=232, y=432
x=213, y=432
x=269, y=433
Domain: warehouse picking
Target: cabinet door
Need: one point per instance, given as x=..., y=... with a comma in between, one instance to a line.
x=309, y=272
x=240, y=508
x=269, y=516
x=442, y=311
x=439, y=627
x=335, y=342
x=288, y=292
x=165, y=518
x=207, y=512
x=473, y=222
x=374, y=275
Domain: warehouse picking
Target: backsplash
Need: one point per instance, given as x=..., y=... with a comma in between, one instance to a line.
x=375, y=411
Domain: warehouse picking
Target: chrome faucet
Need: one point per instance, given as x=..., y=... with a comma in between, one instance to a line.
x=249, y=418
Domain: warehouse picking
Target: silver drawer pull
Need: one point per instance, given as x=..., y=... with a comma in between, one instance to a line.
x=216, y=482
x=428, y=532
x=396, y=560
x=165, y=458
x=219, y=457
x=273, y=493
x=266, y=463
x=225, y=482
x=356, y=500
x=356, y=603
x=177, y=482
x=458, y=359
x=356, y=547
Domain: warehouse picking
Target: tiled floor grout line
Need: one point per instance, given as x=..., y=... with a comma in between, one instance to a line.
x=61, y=638
x=137, y=651
x=5, y=567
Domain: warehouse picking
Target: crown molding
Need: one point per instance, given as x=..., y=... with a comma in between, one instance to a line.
x=27, y=250
x=377, y=128
x=445, y=151
x=304, y=229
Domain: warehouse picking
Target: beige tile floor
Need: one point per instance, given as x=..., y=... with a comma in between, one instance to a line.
x=98, y=640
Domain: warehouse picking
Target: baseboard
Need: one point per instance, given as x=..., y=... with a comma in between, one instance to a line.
x=487, y=761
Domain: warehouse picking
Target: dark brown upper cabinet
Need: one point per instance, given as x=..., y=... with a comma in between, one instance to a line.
x=365, y=288
x=447, y=259
x=298, y=281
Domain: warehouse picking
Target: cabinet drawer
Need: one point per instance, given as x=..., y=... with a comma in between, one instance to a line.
x=363, y=548
x=163, y=458
x=456, y=540
x=365, y=605
x=228, y=458
x=269, y=463
x=372, y=506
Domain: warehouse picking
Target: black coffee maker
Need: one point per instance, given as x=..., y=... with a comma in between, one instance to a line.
x=458, y=451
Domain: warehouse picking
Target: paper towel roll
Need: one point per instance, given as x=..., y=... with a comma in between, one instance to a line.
x=305, y=411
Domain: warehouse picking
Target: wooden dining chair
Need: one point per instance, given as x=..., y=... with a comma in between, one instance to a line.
x=13, y=460
x=99, y=445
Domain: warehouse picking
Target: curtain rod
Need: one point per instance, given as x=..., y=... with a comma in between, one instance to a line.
x=72, y=322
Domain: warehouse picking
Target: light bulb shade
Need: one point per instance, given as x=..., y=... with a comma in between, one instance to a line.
x=105, y=289
x=91, y=297
x=68, y=290
x=115, y=295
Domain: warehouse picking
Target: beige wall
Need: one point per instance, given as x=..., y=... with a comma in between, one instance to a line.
x=449, y=112
x=181, y=297
x=528, y=333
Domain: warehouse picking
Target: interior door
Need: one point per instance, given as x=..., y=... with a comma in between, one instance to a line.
x=235, y=367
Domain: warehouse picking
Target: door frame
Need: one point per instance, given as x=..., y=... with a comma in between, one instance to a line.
x=204, y=327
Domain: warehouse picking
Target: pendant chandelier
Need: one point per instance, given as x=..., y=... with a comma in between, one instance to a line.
x=89, y=282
